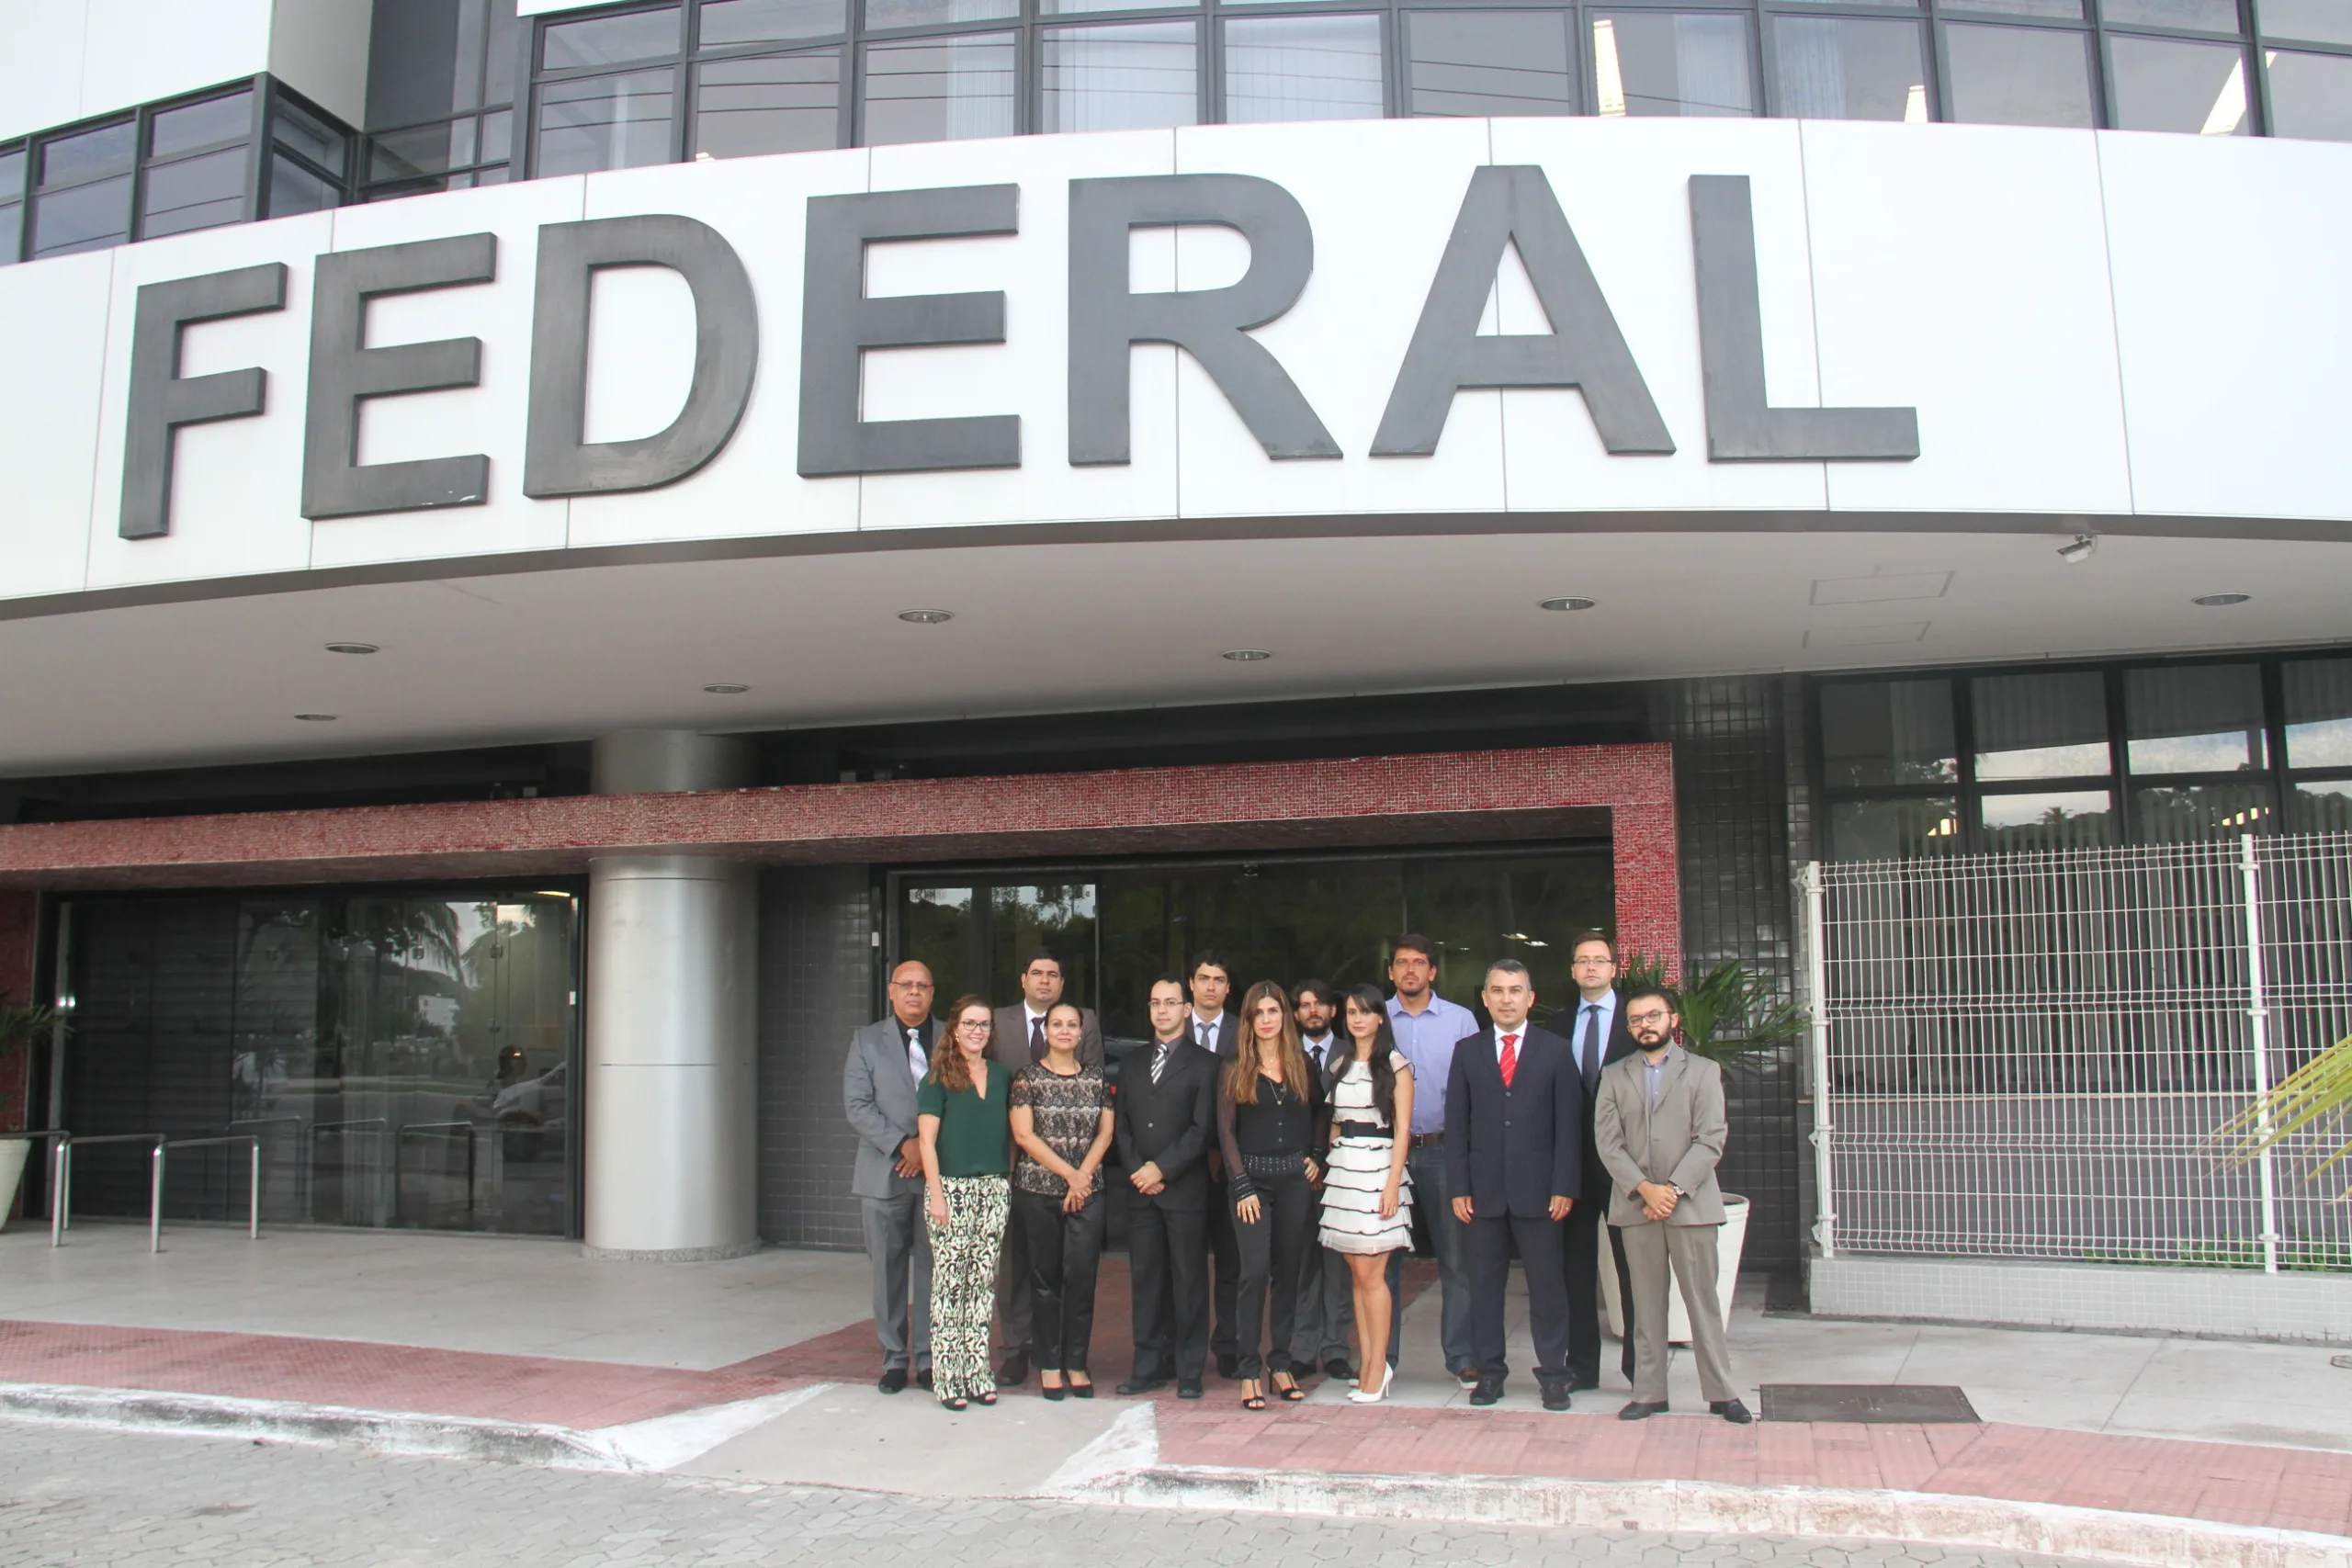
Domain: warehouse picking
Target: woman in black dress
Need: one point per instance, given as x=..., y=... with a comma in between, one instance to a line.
x=1268, y=1107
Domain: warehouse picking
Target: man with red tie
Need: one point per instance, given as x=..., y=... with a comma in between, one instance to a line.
x=1514, y=1162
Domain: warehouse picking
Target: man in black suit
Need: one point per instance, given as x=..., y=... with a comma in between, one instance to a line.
x=1214, y=1031
x=1596, y=1036
x=1167, y=1117
x=1514, y=1162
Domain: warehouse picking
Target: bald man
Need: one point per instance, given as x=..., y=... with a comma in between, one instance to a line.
x=888, y=1060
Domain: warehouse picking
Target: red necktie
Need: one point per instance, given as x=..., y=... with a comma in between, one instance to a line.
x=1509, y=1058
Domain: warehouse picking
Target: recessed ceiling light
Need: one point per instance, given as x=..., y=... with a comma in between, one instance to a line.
x=318, y=717
x=926, y=617
x=353, y=647
x=727, y=688
x=1247, y=654
x=2215, y=601
x=1568, y=601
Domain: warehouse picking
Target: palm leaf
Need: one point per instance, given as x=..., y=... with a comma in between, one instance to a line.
x=2315, y=1096
x=1730, y=1014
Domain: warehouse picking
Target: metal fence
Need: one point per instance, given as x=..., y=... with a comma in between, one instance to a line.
x=2027, y=1055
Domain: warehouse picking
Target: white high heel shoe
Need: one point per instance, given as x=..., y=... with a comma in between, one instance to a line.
x=1357, y=1397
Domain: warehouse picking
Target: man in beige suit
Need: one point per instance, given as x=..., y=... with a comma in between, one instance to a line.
x=1659, y=1124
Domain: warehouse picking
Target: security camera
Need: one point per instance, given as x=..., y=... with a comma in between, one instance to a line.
x=2085, y=547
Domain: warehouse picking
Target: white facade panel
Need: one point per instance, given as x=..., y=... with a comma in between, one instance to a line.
x=320, y=49
x=51, y=319
x=40, y=63
x=138, y=51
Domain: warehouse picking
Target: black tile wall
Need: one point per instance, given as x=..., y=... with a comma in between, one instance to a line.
x=1731, y=782
x=817, y=952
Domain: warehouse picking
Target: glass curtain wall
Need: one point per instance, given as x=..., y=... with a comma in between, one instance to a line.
x=2059, y=758
x=405, y=1058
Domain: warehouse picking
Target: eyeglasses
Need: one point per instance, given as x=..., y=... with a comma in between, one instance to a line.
x=911, y=985
x=972, y=1026
x=1647, y=1017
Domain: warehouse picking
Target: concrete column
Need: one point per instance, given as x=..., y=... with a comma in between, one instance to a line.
x=672, y=981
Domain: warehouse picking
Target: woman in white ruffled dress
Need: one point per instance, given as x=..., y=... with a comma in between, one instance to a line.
x=1368, y=1201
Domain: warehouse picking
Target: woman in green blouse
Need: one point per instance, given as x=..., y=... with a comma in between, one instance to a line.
x=962, y=1119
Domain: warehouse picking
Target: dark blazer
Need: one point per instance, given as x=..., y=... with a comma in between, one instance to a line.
x=1227, y=1023
x=1512, y=1151
x=1615, y=1046
x=1011, y=1045
x=1170, y=1124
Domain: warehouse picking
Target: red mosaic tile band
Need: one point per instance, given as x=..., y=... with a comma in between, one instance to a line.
x=1627, y=791
x=17, y=912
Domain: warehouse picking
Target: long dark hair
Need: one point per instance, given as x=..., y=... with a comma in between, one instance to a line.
x=1384, y=1049
x=1241, y=1072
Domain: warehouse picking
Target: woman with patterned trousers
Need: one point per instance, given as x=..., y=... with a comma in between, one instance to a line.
x=1062, y=1124
x=962, y=1115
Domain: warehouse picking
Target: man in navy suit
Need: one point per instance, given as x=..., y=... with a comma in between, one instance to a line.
x=1514, y=1161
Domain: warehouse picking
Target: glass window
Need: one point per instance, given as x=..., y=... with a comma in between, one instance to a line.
x=194, y=193
x=403, y=154
x=931, y=13
x=85, y=218
x=2204, y=719
x=1888, y=732
x=12, y=173
x=1135, y=77
x=2177, y=813
x=301, y=131
x=763, y=21
x=2018, y=76
x=2310, y=96
x=1279, y=68
x=2040, y=726
x=1072, y=8
x=12, y=207
x=605, y=122
x=2322, y=21
x=2072, y=10
x=294, y=189
x=2205, y=15
x=2064, y=819
x=789, y=103
x=2320, y=806
x=1893, y=830
x=1648, y=62
x=2174, y=84
x=2319, y=712
x=938, y=89
x=11, y=219
x=497, y=141
x=611, y=40
x=1850, y=68
x=86, y=155
x=214, y=121
x=1489, y=63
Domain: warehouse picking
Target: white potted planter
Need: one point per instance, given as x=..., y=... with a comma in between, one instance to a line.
x=13, y=1155
x=1731, y=1239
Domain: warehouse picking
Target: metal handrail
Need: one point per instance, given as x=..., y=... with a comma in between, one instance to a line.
x=156, y=1183
x=61, y=1217
x=379, y=1125
x=60, y=1136
x=301, y=1173
x=443, y=1128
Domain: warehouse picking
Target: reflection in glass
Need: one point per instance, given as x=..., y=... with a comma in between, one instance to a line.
x=1489, y=63
x=85, y=218
x=497, y=137
x=2199, y=718
x=1650, y=62
x=1058, y=917
x=589, y=123
x=1850, y=68
x=938, y=89
x=2019, y=76
x=1888, y=732
x=2040, y=726
x=1070, y=7
x=1288, y=68
x=2204, y=15
x=2319, y=712
x=199, y=125
x=11, y=216
x=86, y=154
x=2310, y=96
x=403, y=154
x=2321, y=806
x=2070, y=9
x=293, y=188
x=2322, y=21
x=2048, y=820
x=611, y=40
x=194, y=193
x=789, y=103
x=761, y=22
x=931, y=13
x=1136, y=78
x=937, y=927
x=296, y=128
x=1893, y=830
x=2176, y=814
x=2177, y=84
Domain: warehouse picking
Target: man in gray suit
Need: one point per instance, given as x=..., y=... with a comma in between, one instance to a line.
x=887, y=1063
x=1660, y=1126
x=1020, y=1043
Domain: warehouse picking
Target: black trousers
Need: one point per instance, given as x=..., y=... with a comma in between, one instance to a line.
x=1224, y=1337
x=1168, y=1263
x=1580, y=1242
x=1273, y=1249
x=1065, y=1252
x=1547, y=1292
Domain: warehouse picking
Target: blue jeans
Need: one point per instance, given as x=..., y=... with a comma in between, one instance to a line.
x=1447, y=1234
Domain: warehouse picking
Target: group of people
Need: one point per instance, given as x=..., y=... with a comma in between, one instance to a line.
x=1276, y=1157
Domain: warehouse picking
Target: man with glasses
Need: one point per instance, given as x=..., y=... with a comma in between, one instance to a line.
x=1427, y=1027
x=888, y=1060
x=1596, y=1036
x=1019, y=1044
x=1661, y=1127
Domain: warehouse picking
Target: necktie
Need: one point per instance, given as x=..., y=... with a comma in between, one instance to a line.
x=1592, y=1063
x=1208, y=1036
x=1510, y=1058
x=1036, y=1039
x=1159, y=1061
x=916, y=1056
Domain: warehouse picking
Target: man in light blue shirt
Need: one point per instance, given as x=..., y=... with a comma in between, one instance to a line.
x=1427, y=1027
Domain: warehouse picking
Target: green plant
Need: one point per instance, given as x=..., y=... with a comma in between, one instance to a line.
x=2315, y=1096
x=1730, y=1014
x=19, y=1027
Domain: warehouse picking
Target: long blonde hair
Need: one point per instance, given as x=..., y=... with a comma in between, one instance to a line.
x=947, y=1064
x=1241, y=1074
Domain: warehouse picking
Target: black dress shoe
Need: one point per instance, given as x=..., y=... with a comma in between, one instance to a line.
x=1228, y=1364
x=1135, y=1388
x=1081, y=1391
x=1556, y=1394
x=1015, y=1371
x=1488, y=1392
x=1580, y=1381
x=1188, y=1388
x=1638, y=1411
x=1467, y=1376
x=1337, y=1367
x=922, y=1380
x=1731, y=1410
x=894, y=1379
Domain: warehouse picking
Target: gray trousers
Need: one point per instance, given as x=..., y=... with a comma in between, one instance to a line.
x=1692, y=1248
x=897, y=1243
